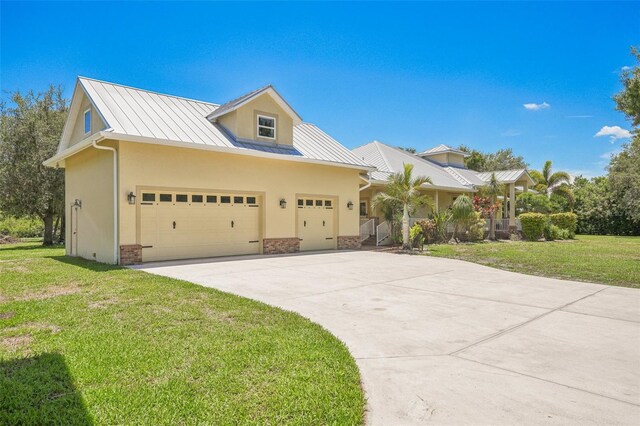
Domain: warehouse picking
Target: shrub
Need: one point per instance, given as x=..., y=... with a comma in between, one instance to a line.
x=533, y=225
x=564, y=234
x=553, y=232
x=528, y=202
x=476, y=227
x=566, y=221
x=21, y=227
x=416, y=236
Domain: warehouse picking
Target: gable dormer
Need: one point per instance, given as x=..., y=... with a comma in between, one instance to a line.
x=260, y=116
x=445, y=156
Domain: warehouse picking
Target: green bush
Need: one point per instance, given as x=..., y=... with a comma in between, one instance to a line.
x=553, y=232
x=416, y=236
x=566, y=221
x=528, y=202
x=533, y=225
x=21, y=227
x=476, y=227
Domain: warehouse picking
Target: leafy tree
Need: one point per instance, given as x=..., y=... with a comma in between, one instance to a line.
x=628, y=100
x=624, y=179
x=405, y=190
x=491, y=190
x=552, y=183
x=29, y=133
x=503, y=159
x=409, y=149
x=528, y=202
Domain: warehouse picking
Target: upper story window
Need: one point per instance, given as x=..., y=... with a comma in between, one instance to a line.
x=87, y=121
x=266, y=127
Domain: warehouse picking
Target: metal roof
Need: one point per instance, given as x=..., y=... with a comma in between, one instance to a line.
x=506, y=176
x=141, y=113
x=389, y=160
x=442, y=148
x=465, y=176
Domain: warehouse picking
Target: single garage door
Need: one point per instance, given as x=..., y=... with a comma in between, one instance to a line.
x=316, y=228
x=182, y=225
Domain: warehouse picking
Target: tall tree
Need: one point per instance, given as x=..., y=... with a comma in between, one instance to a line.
x=406, y=190
x=502, y=159
x=549, y=182
x=29, y=134
x=628, y=100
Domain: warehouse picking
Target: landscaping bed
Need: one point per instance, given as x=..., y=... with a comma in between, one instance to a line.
x=83, y=342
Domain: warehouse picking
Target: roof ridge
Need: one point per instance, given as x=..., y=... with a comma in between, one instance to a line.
x=146, y=90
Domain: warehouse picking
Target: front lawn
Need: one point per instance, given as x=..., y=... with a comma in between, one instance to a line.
x=82, y=343
x=599, y=259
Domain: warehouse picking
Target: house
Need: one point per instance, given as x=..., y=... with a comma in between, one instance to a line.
x=153, y=177
x=450, y=178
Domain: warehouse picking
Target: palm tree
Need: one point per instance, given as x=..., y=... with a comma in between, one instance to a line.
x=461, y=213
x=552, y=183
x=492, y=190
x=404, y=189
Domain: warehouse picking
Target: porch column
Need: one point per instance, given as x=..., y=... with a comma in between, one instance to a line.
x=437, y=201
x=512, y=204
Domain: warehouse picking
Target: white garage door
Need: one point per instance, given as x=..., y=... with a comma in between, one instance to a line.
x=316, y=228
x=182, y=225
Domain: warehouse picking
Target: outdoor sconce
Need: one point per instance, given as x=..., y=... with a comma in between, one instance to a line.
x=131, y=198
x=283, y=203
x=350, y=205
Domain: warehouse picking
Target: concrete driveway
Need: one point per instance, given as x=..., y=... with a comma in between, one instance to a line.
x=449, y=342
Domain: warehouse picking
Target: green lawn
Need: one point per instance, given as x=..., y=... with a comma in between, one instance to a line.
x=599, y=259
x=83, y=343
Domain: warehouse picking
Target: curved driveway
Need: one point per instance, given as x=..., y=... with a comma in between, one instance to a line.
x=442, y=341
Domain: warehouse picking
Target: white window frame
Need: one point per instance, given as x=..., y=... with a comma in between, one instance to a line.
x=84, y=118
x=258, y=126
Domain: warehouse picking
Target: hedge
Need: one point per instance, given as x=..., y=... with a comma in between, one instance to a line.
x=568, y=221
x=533, y=225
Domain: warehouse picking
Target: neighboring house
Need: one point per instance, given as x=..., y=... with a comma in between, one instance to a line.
x=156, y=177
x=445, y=166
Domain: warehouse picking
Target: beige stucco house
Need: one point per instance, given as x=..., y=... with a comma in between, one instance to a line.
x=449, y=179
x=155, y=177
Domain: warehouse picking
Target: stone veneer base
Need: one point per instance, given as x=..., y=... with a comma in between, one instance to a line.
x=130, y=254
x=349, y=242
x=280, y=245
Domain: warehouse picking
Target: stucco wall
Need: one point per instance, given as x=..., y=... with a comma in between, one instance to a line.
x=97, y=124
x=89, y=178
x=152, y=166
x=243, y=121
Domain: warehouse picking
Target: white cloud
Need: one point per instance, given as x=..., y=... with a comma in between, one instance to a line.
x=510, y=133
x=625, y=68
x=536, y=107
x=614, y=133
x=608, y=155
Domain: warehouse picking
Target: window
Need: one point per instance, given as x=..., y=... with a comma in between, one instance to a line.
x=87, y=121
x=327, y=203
x=225, y=199
x=266, y=127
x=363, y=208
x=166, y=197
x=181, y=198
x=148, y=197
x=238, y=200
x=196, y=198
x=251, y=200
x=300, y=202
x=212, y=198
x=308, y=202
x=318, y=203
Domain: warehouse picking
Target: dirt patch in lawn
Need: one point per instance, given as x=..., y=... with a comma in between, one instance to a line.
x=6, y=315
x=46, y=293
x=15, y=343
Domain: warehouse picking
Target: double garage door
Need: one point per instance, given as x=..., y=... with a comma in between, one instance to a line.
x=182, y=225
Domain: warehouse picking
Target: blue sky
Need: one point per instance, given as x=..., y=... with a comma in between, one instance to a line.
x=409, y=74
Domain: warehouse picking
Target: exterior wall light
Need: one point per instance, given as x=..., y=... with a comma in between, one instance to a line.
x=283, y=203
x=131, y=198
x=350, y=205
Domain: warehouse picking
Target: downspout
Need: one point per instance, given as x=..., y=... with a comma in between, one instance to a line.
x=115, y=194
x=368, y=180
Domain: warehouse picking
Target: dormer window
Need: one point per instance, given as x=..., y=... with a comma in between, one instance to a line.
x=266, y=127
x=87, y=121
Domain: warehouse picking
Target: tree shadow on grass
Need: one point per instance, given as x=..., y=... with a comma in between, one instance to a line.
x=40, y=390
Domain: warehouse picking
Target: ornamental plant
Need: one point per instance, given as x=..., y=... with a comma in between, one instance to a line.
x=568, y=221
x=533, y=225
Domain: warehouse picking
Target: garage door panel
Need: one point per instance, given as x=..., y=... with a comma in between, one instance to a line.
x=202, y=229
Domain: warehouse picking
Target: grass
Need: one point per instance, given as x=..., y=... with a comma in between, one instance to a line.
x=598, y=259
x=84, y=343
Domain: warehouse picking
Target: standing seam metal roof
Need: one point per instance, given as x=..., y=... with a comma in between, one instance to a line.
x=138, y=112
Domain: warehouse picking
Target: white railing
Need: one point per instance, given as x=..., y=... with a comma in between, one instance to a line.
x=503, y=224
x=383, y=232
x=367, y=229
